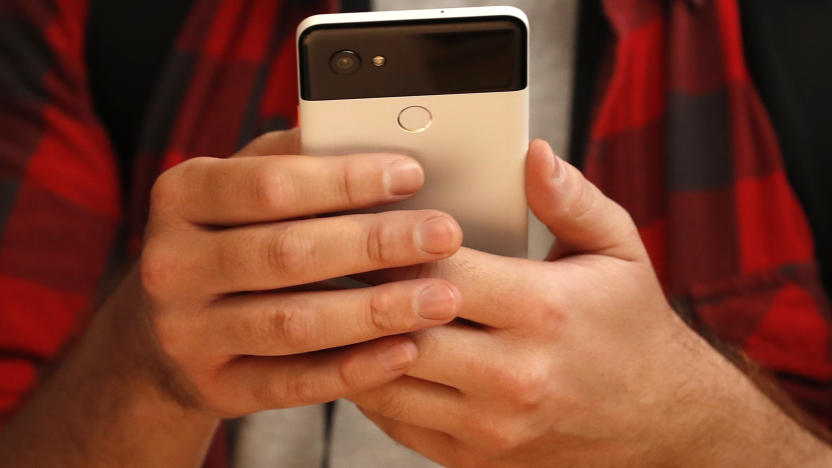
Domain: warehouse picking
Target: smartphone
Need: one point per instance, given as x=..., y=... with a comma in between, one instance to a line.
x=446, y=87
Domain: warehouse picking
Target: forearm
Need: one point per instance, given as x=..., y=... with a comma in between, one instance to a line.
x=103, y=406
x=740, y=424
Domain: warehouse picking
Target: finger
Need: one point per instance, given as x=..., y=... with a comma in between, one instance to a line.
x=462, y=345
x=483, y=278
x=273, y=144
x=436, y=445
x=581, y=217
x=245, y=190
x=291, y=323
x=272, y=256
x=259, y=383
x=417, y=402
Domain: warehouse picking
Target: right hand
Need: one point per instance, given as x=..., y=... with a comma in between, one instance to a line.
x=227, y=242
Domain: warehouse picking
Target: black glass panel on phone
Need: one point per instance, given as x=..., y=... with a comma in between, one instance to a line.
x=410, y=58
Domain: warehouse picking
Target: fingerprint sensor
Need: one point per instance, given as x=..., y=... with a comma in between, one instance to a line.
x=415, y=119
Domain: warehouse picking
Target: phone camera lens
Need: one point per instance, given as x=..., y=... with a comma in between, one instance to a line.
x=344, y=62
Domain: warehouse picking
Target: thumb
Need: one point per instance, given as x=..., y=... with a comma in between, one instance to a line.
x=581, y=217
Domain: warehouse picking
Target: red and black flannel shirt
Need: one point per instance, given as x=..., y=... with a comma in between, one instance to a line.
x=680, y=139
x=230, y=76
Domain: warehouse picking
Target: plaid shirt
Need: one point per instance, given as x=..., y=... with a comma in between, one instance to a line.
x=683, y=142
x=723, y=228
x=230, y=77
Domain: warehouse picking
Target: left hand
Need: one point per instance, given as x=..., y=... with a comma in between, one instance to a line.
x=574, y=361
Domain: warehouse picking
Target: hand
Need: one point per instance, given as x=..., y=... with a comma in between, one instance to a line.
x=575, y=361
x=228, y=239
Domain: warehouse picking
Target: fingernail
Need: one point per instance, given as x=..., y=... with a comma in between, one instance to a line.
x=404, y=177
x=398, y=356
x=437, y=235
x=436, y=302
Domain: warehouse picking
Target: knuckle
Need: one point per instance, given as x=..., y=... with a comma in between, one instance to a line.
x=510, y=436
x=291, y=329
x=157, y=271
x=551, y=314
x=267, y=393
x=386, y=319
x=503, y=440
x=349, y=372
x=498, y=435
x=380, y=250
x=303, y=389
x=287, y=252
x=272, y=189
x=170, y=188
x=348, y=183
x=379, y=317
x=167, y=185
x=262, y=395
x=532, y=389
x=525, y=386
x=165, y=193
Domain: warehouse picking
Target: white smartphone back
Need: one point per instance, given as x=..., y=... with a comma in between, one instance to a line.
x=471, y=145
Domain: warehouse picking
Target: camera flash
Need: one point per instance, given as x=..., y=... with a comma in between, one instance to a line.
x=379, y=60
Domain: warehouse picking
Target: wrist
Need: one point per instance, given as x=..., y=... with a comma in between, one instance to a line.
x=135, y=402
x=122, y=329
x=103, y=404
x=152, y=394
x=723, y=419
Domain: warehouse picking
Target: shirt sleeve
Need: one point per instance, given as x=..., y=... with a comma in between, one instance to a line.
x=60, y=203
